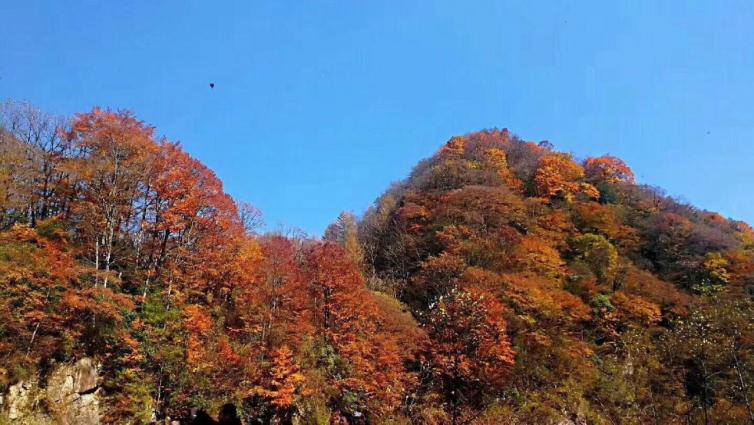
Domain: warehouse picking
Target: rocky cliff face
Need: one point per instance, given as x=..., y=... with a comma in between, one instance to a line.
x=68, y=396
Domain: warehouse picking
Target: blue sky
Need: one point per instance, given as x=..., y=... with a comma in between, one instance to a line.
x=319, y=105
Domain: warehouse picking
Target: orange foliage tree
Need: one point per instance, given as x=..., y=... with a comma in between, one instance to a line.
x=348, y=320
x=558, y=175
x=284, y=385
x=609, y=169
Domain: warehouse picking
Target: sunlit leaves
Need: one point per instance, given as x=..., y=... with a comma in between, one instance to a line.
x=608, y=169
x=559, y=176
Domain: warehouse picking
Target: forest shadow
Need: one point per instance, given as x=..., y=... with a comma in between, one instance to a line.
x=228, y=416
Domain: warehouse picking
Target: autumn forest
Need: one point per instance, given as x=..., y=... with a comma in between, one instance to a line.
x=502, y=282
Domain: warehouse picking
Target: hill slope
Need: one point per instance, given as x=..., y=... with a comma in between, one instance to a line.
x=622, y=305
x=502, y=282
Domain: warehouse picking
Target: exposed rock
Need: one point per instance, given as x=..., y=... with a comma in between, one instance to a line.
x=87, y=374
x=71, y=390
x=70, y=397
x=18, y=399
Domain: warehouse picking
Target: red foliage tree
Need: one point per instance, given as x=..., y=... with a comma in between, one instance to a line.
x=468, y=353
x=349, y=319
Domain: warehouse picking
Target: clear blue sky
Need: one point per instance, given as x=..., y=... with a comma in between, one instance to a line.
x=319, y=105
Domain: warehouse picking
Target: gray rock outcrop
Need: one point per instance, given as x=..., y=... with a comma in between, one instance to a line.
x=69, y=396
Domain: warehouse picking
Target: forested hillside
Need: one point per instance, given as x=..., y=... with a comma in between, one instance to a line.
x=501, y=282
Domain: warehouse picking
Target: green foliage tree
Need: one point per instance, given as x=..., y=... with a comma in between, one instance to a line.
x=598, y=254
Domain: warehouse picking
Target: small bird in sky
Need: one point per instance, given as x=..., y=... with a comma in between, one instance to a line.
x=212, y=85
